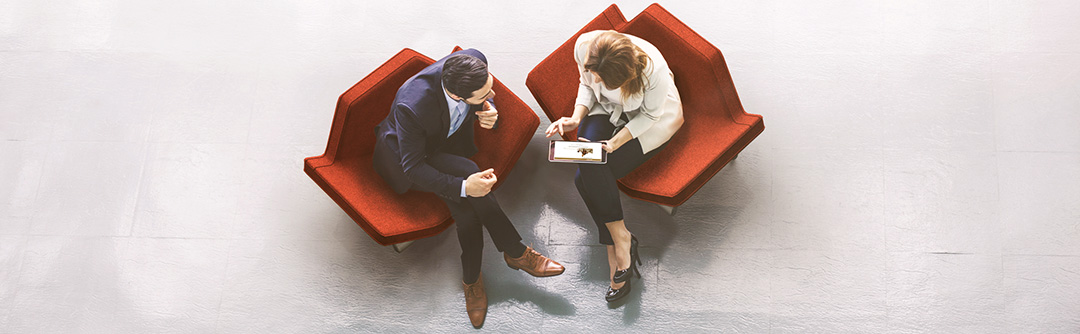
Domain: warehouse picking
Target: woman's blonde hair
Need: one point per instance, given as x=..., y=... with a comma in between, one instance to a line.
x=618, y=62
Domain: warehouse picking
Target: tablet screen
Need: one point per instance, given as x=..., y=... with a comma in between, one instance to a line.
x=577, y=152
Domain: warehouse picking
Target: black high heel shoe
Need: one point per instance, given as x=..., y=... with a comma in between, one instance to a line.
x=635, y=259
x=613, y=295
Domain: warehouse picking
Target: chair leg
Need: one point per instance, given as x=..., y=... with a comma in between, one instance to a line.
x=669, y=209
x=400, y=247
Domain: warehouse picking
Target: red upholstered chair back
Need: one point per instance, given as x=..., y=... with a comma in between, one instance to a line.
x=367, y=103
x=554, y=82
x=705, y=86
x=695, y=57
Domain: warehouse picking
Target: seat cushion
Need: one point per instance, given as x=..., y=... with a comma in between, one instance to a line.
x=386, y=216
x=687, y=158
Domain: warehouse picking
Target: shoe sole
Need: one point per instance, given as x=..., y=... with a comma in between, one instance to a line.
x=535, y=275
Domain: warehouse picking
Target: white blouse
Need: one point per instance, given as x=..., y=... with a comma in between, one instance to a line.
x=654, y=115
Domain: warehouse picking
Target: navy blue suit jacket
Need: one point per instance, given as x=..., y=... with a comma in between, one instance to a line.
x=416, y=128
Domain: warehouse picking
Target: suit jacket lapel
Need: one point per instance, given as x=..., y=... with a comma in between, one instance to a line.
x=444, y=114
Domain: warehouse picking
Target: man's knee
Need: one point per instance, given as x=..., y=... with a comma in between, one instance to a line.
x=468, y=166
x=454, y=165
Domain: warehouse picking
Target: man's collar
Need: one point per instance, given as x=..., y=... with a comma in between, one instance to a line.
x=451, y=102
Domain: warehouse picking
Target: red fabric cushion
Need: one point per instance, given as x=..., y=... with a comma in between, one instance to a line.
x=345, y=170
x=387, y=217
x=554, y=82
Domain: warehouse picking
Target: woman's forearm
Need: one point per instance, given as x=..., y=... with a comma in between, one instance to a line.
x=621, y=138
x=579, y=112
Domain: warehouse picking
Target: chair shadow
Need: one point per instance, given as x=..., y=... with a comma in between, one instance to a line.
x=709, y=222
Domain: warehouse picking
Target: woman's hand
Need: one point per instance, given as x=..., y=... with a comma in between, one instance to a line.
x=616, y=141
x=562, y=126
x=609, y=145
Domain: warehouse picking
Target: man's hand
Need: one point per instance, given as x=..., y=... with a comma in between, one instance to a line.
x=488, y=115
x=480, y=183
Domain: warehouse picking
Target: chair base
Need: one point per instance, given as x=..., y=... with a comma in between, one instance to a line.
x=400, y=247
x=669, y=209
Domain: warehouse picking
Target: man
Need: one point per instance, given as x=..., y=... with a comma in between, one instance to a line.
x=424, y=143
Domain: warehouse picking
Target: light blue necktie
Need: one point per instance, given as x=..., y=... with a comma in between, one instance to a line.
x=457, y=116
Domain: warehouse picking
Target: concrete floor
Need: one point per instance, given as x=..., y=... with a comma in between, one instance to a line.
x=920, y=172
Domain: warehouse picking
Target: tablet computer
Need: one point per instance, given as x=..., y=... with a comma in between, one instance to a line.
x=577, y=152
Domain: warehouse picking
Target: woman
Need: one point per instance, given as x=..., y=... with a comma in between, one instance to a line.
x=627, y=100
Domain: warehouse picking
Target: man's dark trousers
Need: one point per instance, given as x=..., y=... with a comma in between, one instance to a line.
x=472, y=213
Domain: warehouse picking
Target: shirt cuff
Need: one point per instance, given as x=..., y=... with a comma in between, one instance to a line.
x=463, y=188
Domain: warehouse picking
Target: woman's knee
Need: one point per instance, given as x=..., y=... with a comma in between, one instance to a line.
x=595, y=128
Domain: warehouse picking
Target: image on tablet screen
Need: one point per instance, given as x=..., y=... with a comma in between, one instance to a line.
x=578, y=151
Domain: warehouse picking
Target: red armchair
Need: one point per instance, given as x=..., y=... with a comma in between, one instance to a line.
x=716, y=127
x=345, y=170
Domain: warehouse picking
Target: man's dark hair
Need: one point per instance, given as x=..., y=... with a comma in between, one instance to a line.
x=464, y=74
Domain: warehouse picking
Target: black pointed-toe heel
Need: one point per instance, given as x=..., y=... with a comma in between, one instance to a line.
x=613, y=295
x=635, y=259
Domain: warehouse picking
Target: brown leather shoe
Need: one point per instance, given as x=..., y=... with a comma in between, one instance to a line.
x=534, y=264
x=476, y=301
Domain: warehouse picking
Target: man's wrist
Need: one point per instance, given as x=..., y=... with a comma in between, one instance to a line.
x=463, y=182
